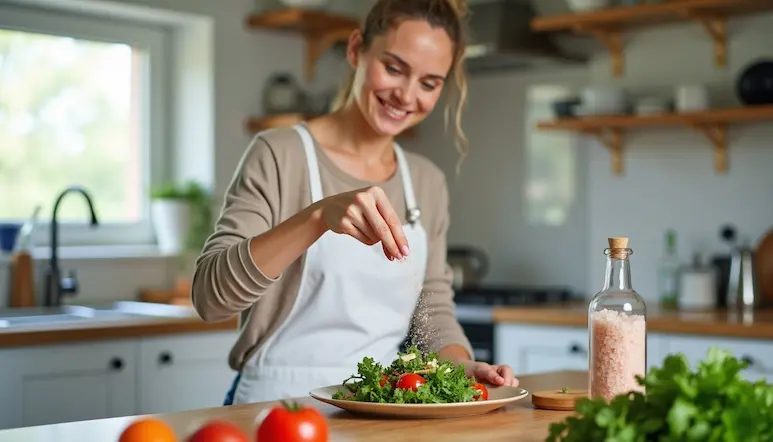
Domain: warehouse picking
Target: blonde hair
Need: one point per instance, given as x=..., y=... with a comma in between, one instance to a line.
x=446, y=14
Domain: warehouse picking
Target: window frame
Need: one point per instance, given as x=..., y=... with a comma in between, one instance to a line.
x=155, y=147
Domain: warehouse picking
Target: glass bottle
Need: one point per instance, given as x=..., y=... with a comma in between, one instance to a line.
x=668, y=272
x=617, y=328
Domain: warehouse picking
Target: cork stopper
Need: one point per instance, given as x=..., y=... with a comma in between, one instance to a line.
x=618, y=247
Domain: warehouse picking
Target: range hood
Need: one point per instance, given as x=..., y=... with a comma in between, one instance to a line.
x=501, y=38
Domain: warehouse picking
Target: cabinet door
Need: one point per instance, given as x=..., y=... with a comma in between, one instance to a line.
x=72, y=382
x=537, y=348
x=185, y=372
x=533, y=349
x=758, y=353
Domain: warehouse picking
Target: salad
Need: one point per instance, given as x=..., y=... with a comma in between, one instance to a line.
x=412, y=378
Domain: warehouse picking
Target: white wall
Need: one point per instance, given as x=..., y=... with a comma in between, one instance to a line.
x=487, y=198
x=669, y=180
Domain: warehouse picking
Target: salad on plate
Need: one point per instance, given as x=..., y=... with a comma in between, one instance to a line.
x=412, y=378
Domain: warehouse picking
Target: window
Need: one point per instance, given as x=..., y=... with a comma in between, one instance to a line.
x=551, y=182
x=81, y=104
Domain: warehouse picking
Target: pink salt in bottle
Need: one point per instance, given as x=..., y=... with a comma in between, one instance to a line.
x=617, y=327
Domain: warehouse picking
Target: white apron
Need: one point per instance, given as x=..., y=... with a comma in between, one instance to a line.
x=352, y=302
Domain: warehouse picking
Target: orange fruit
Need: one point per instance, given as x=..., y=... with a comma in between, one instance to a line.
x=148, y=430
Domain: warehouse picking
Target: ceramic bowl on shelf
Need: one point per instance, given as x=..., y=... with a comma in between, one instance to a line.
x=587, y=5
x=754, y=85
x=308, y=4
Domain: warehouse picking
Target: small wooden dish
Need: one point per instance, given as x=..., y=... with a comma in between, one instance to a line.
x=557, y=400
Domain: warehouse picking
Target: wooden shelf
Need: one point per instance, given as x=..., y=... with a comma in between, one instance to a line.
x=610, y=130
x=608, y=25
x=257, y=124
x=320, y=30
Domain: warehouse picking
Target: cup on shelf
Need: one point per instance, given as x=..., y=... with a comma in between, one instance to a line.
x=691, y=98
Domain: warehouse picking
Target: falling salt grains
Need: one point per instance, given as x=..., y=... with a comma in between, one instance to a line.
x=422, y=334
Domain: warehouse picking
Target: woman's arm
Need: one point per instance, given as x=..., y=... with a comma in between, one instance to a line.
x=250, y=247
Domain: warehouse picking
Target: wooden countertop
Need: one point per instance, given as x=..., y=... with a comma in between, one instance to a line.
x=518, y=421
x=758, y=325
x=114, y=329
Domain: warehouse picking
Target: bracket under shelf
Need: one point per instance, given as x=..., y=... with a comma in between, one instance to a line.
x=612, y=38
x=612, y=138
x=717, y=134
x=317, y=44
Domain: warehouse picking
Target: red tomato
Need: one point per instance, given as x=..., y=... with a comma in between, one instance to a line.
x=218, y=431
x=385, y=379
x=293, y=423
x=481, y=390
x=410, y=381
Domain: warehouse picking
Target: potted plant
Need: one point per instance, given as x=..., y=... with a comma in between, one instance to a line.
x=181, y=216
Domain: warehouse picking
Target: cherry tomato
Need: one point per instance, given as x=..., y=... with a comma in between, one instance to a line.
x=410, y=381
x=293, y=423
x=218, y=431
x=148, y=430
x=385, y=378
x=481, y=390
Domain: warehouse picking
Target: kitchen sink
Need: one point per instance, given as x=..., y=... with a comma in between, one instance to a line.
x=115, y=311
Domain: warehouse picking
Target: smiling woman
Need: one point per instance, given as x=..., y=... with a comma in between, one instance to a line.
x=409, y=41
x=321, y=245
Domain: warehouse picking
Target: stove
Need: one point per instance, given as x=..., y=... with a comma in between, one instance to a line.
x=495, y=296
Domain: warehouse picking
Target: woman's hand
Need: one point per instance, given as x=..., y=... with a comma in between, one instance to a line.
x=368, y=216
x=492, y=374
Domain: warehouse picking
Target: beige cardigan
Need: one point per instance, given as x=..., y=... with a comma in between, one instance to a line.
x=270, y=185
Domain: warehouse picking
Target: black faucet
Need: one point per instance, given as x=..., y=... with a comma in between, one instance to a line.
x=56, y=285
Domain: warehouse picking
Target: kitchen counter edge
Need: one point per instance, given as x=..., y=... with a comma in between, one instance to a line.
x=125, y=329
x=708, y=323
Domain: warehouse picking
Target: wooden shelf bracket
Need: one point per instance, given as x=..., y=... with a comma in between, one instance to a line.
x=717, y=134
x=717, y=29
x=613, y=140
x=613, y=40
x=317, y=44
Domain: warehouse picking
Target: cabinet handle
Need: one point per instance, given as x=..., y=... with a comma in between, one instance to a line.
x=116, y=364
x=165, y=358
x=576, y=348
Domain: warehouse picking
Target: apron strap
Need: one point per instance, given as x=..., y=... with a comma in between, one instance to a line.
x=315, y=182
x=412, y=211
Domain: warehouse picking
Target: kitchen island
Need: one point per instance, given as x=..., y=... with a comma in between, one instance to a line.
x=518, y=421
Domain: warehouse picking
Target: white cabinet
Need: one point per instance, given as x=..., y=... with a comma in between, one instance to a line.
x=539, y=348
x=62, y=383
x=184, y=372
x=758, y=353
x=92, y=380
x=536, y=349
x=533, y=349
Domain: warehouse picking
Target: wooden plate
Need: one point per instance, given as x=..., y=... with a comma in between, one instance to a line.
x=497, y=397
x=557, y=400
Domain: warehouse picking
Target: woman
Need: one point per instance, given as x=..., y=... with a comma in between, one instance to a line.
x=321, y=246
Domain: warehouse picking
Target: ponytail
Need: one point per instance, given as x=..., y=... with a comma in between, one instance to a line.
x=344, y=93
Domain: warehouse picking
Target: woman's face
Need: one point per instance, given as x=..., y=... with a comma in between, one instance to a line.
x=400, y=77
